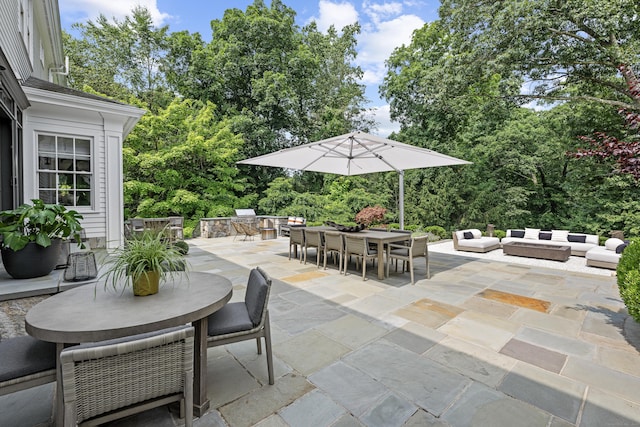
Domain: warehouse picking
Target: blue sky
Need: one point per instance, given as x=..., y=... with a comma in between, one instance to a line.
x=385, y=25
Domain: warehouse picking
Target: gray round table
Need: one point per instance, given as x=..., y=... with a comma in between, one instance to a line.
x=90, y=313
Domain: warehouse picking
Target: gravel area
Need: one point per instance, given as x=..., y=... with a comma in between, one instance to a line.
x=575, y=263
x=12, y=315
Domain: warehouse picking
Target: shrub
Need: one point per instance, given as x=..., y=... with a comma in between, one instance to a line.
x=628, y=273
x=500, y=234
x=436, y=230
x=371, y=215
x=182, y=247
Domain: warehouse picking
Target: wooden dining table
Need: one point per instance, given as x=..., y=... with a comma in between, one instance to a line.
x=91, y=313
x=377, y=237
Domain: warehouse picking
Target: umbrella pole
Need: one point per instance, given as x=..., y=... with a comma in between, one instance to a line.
x=401, y=198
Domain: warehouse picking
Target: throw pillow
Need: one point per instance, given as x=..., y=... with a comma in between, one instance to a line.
x=559, y=235
x=517, y=233
x=621, y=247
x=613, y=243
x=544, y=235
x=468, y=235
x=531, y=233
x=576, y=238
x=476, y=233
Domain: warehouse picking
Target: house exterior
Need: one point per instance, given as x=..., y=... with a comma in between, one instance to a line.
x=57, y=144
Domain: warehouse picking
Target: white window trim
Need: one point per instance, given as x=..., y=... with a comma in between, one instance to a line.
x=92, y=160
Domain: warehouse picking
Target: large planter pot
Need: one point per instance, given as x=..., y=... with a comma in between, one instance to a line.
x=31, y=261
x=147, y=284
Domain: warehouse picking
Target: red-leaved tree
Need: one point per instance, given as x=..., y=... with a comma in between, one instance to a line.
x=371, y=215
x=625, y=153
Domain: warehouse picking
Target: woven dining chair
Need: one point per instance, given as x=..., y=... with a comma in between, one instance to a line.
x=334, y=243
x=26, y=362
x=313, y=239
x=358, y=246
x=418, y=248
x=112, y=379
x=296, y=240
x=245, y=320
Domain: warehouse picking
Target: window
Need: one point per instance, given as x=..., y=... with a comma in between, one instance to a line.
x=64, y=170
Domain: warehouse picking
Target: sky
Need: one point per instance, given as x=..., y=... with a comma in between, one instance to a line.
x=385, y=26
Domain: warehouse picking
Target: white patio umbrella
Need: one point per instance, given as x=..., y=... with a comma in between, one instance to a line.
x=356, y=153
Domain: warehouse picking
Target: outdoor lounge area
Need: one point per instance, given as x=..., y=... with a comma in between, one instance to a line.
x=482, y=342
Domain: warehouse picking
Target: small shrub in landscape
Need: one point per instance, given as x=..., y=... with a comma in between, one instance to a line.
x=436, y=230
x=371, y=215
x=628, y=273
x=500, y=234
x=182, y=247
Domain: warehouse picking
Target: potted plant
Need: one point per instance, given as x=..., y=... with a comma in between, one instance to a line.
x=32, y=236
x=142, y=262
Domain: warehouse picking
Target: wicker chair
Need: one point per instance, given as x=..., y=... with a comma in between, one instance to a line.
x=26, y=362
x=238, y=229
x=418, y=248
x=358, y=246
x=313, y=239
x=245, y=320
x=334, y=242
x=296, y=238
x=112, y=379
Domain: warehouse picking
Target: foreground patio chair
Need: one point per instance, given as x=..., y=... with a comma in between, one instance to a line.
x=26, y=362
x=245, y=320
x=358, y=246
x=333, y=242
x=418, y=248
x=296, y=239
x=313, y=239
x=109, y=380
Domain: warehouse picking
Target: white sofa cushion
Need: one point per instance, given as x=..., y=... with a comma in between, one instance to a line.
x=612, y=243
x=559, y=235
x=602, y=254
x=481, y=243
x=531, y=233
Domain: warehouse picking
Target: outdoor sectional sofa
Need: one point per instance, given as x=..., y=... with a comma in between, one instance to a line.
x=580, y=243
x=472, y=240
x=606, y=256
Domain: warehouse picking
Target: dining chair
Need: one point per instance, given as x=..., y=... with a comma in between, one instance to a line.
x=108, y=380
x=334, y=243
x=417, y=248
x=238, y=229
x=26, y=362
x=245, y=320
x=358, y=246
x=313, y=239
x=296, y=240
x=137, y=225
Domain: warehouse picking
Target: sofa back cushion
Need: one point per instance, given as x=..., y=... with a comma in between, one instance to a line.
x=612, y=243
x=531, y=233
x=515, y=233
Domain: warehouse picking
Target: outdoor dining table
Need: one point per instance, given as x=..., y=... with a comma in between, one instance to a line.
x=377, y=237
x=92, y=313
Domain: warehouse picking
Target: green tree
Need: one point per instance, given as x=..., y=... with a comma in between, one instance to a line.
x=121, y=58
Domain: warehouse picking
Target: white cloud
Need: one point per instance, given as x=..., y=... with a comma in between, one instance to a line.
x=379, y=11
x=337, y=14
x=91, y=9
x=385, y=126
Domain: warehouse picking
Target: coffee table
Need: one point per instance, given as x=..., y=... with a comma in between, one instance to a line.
x=539, y=251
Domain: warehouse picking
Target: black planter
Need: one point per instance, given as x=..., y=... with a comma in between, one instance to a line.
x=32, y=261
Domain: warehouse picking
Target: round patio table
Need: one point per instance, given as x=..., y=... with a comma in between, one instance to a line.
x=91, y=313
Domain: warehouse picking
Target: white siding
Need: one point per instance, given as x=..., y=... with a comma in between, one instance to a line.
x=12, y=43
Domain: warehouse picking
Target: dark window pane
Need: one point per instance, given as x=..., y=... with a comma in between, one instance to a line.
x=47, y=196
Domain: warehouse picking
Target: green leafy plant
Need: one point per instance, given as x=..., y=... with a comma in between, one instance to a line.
x=142, y=254
x=628, y=273
x=436, y=230
x=38, y=223
x=182, y=247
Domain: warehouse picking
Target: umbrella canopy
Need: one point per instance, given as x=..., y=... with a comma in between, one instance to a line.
x=356, y=153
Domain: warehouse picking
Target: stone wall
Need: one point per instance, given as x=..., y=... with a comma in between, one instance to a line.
x=221, y=226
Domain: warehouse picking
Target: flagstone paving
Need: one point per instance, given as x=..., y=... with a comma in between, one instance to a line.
x=481, y=343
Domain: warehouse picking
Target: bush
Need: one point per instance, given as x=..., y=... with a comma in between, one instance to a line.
x=500, y=234
x=436, y=230
x=182, y=247
x=371, y=215
x=628, y=273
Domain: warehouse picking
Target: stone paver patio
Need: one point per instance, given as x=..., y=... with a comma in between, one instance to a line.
x=482, y=343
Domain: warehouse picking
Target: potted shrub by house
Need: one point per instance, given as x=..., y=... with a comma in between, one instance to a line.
x=32, y=236
x=142, y=262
